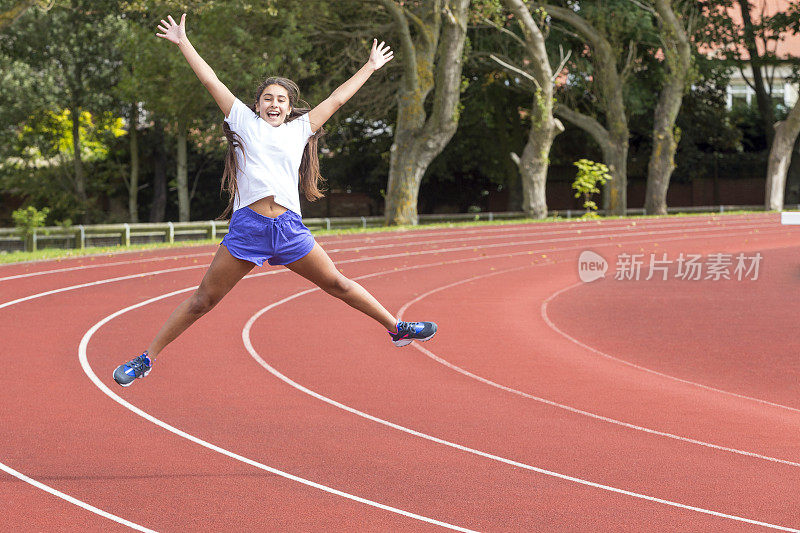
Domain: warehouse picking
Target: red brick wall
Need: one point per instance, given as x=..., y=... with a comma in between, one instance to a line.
x=740, y=191
x=340, y=204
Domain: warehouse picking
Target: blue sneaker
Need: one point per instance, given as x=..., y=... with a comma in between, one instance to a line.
x=412, y=331
x=138, y=367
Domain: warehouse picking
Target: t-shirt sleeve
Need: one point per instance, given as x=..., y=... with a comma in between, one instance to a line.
x=304, y=127
x=238, y=113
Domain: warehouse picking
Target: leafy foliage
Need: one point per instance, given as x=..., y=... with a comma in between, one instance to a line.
x=29, y=218
x=49, y=136
x=590, y=175
x=101, y=58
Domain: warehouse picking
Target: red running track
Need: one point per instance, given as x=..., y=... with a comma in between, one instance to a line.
x=543, y=403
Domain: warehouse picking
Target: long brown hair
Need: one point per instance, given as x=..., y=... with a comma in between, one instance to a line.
x=310, y=177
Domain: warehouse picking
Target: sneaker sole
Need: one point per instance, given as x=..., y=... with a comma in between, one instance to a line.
x=406, y=342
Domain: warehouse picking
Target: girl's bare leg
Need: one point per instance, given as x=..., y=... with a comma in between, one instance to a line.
x=225, y=272
x=318, y=268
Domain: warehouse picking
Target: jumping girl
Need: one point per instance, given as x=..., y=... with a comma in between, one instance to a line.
x=269, y=157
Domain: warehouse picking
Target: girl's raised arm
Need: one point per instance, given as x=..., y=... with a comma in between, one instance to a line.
x=176, y=33
x=379, y=56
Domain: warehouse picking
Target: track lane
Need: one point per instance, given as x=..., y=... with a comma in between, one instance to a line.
x=201, y=384
x=367, y=241
x=189, y=479
x=34, y=285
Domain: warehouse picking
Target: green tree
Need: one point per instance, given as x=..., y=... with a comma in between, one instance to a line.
x=612, y=33
x=41, y=153
x=72, y=50
x=432, y=36
x=538, y=75
x=747, y=37
x=676, y=21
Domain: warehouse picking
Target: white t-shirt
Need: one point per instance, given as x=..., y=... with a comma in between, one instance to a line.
x=272, y=155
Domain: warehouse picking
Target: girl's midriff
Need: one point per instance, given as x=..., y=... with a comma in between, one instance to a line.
x=268, y=207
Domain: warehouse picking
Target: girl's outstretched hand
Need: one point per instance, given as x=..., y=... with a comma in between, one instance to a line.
x=172, y=31
x=380, y=54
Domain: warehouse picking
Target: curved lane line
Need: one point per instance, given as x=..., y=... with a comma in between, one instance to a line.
x=93, y=283
x=82, y=356
x=643, y=368
x=98, y=265
x=366, y=246
x=406, y=254
x=538, y=234
x=294, y=384
x=99, y=282
x=72, y=500
x=564, y=224
x=575, y=410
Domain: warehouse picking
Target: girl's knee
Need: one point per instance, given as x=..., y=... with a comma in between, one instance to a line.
x=339, y=286
x=201, y=303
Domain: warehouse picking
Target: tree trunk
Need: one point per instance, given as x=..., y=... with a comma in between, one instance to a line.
x=765, y=107
x=615, y=199
x=418, y=139
x=535, y=158
x=609, y=85
x=133, y=190
x=678, y=60
x=182, y=177
x=406, y=170
x=660, y=167
x=514, y=187
x=511, y=165
x=615, y=192
x=533, y=171
x=780, y=155
x=80, y=177
x=159, y=205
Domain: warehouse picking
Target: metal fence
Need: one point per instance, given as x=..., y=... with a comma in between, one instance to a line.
x=126, y=234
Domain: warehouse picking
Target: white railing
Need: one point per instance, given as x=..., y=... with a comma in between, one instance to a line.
x=126, y=234
x=110, y=234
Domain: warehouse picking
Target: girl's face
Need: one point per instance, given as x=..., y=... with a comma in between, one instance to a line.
x=273, y=105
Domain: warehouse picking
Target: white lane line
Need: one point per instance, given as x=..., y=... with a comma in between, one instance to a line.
x=294, y=384
x=99, y=265
x=322, y=241
x=524, y=252
x=610, y=236
x=563, y=224
x=643, y=368
x=93, y=283
x=653, y=234
x=73, y=500
x=581, y=231
x=571, y=409
x=491, y=232
x=82, y=356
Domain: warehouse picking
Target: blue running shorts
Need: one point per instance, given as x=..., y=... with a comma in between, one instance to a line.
x=256, y=238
